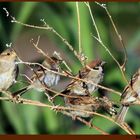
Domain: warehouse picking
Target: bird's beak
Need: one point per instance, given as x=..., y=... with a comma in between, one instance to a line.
x=102, y=63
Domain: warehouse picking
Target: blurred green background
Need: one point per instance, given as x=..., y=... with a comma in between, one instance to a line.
x=25, y=119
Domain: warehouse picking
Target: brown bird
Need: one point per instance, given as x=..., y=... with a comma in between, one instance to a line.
x=8, y=69
x=88, y=103
x=129, y=96
x=44, y=78
x=93, y=72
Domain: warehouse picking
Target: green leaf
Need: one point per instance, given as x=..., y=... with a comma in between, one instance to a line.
x=51, y=120
x=85, y=130
x=31, y=114
x=12, y=112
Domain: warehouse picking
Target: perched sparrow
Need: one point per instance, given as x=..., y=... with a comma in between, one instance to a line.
x=44, y=78
x=93, y=72
x=88, y=103
x=8, y=69
x=129, y=95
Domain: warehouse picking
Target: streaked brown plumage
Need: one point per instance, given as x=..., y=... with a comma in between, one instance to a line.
x=94, y=74
x=88, y=103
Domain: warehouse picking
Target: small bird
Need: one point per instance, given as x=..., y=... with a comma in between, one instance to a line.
x=93, y=72
x=130, y=95
x=89, y=103
x=8, y=69
x=43, y=78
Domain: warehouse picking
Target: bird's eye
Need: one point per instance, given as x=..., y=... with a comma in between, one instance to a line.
x=84, y=85
x=8, y=53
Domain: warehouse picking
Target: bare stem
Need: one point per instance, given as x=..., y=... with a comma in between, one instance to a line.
x=47, y=27
x=101, y=42
x=61, y=108
x=116, y=31
x=79, y=26
x=93, y=20
x=38, y=49
x=87, y=123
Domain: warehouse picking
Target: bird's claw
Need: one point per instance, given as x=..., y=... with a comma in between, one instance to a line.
x=15, y=99
x=56, y=108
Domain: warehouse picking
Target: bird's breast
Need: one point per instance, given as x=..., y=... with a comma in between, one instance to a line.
x=6, y=79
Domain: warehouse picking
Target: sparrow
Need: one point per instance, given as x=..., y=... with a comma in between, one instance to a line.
x=43, y=78
x=93, y=72
x=89, y=103
x=130, y=95
x=8, y=69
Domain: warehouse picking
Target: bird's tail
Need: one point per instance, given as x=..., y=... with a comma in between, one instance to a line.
x=122, y=114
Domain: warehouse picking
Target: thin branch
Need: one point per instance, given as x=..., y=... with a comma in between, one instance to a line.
x=128, y=128
x=44, y=54
x=87, y=123
x=39, y=50
x=61, y=108
x=120, y=67
x=93, y=20
x=6, y=93
x=79, y=28
x=117, y=33
x=24, y=75
x=4, y=98
x=64, y=112
x=49, y=28
x=105, y=47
